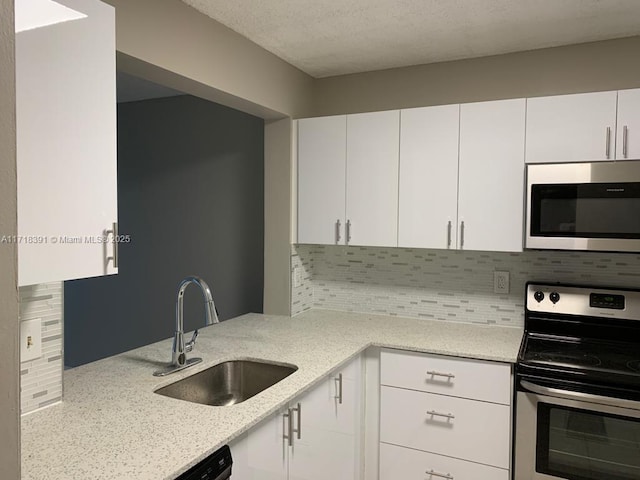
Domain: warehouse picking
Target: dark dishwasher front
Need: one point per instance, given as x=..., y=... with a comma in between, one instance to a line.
x=216, y=466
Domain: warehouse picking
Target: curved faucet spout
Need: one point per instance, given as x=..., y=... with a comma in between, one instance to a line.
x=180, y=348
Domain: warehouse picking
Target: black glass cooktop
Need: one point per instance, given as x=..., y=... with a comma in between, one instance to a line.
x=584, y=358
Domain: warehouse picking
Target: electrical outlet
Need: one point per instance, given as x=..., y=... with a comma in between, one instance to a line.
x=30, y=339
x=500, y=282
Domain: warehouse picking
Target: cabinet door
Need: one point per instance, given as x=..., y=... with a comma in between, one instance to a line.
x=571, y=128
x=66, y=141
x=329, y=444
x=428, y=177
x=491, y=176
x=628, y=136
x=262, y=453
x=372, y=178
x=321, y=179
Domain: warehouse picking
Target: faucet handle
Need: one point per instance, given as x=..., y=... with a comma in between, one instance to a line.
x=189, y=345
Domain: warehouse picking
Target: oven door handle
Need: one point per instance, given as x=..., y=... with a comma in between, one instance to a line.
x=579, y=396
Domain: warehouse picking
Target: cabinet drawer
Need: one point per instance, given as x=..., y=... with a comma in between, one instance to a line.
x=398, y=462
x=476, y=431
x=475, y=379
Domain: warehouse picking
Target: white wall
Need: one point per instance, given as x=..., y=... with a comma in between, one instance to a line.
x=9, y=357
x=277, y=214
x=607, y=65
x=175, y=45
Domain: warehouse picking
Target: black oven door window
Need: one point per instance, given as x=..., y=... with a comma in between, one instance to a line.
x=589, y=210
x=587, y=445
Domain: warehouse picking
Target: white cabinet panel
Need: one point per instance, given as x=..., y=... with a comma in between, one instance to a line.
x=473, y=379
x=329, y=443
x=406, y=464
x=321, y=178
x=628, y=131
x=491, y=176
x=428, y=201
x=321, y=454
x=372, y=178
x=262, y=453
x=66, y=141
x=571, y=128
x=476, y=431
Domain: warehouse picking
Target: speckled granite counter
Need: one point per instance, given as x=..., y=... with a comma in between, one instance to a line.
x=112, y=426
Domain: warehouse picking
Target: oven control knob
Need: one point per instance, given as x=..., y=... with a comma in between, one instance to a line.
x=539, y=296
x=554, y=297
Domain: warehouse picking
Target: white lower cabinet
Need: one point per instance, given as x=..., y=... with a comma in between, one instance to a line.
x=408, y=464
x=325, y=423
x=440, y=418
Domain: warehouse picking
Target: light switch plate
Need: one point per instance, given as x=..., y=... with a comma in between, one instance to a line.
x=30, y=339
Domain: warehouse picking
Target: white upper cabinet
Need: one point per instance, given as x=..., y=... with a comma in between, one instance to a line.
x=571, y=128
x=428, y=200
x=628, y=131
x=66, y=142
x=372, y=178
x=321, y=179
x=491, y=176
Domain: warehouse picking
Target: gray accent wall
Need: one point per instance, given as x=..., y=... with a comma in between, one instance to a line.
x=191, y=197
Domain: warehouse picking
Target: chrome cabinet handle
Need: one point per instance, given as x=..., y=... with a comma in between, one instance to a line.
x=579, y=396
x=449, y=234
x=441, y=475
x=287, y=428
x=338, y=396
x=608, y=146
x=114, y=232
x=625, y=137
x=433, y=413
x=433, y=373
x=348, y=231
x=337, y=231
x=461, y=234
x=298, y=430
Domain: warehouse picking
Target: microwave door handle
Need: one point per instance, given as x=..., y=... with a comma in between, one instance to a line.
x=579, y=396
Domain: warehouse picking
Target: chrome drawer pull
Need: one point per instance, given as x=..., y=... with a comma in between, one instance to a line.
x=625, y=142
x=287, y=426
x=338, y=396
x=433, y=373
x=441, y=475
x=433, y=413
x=298, y=430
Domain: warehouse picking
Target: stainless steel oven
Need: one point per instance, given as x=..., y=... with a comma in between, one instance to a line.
x=565, y=435
x=584, y=206
x=577, y=402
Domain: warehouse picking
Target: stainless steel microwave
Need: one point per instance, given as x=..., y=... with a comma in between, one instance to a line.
x=584, y=206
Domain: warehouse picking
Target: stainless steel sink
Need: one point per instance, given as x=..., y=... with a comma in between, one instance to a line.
x=228, y=383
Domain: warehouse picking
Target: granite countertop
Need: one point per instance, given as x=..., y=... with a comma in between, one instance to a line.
x=112, y=426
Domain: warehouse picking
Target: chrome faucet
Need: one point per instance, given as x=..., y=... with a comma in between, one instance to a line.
x=180, y=348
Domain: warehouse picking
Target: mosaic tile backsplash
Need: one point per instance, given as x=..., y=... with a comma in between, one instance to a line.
x=41, y=379
x=446, y=285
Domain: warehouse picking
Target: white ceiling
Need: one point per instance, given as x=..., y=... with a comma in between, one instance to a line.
x=336, y=37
